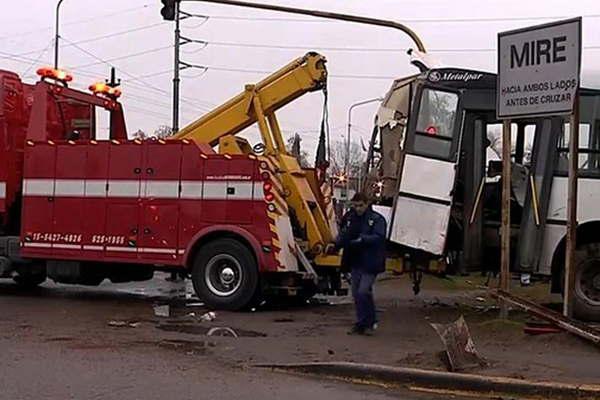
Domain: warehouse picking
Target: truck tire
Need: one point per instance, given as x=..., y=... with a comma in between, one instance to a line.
x=587, y=282
x=225, y=275
x=29, y=281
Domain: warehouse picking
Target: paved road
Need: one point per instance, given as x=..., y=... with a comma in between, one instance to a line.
x=54, y=371
x=55, y=343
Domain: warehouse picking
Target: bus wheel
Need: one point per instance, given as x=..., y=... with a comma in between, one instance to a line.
x=225, y=275
x=587, y=282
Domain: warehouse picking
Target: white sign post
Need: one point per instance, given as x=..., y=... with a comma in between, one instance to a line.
x=539, y=75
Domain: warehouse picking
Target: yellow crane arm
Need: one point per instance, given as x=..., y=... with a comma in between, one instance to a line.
x=303, y=75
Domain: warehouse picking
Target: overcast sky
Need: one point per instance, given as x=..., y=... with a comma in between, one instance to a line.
x=459, y=33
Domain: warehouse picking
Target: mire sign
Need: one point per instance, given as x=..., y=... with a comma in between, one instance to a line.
x=538, y=70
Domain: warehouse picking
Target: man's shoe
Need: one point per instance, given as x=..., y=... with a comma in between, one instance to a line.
x=356, y=330
x=368, y=331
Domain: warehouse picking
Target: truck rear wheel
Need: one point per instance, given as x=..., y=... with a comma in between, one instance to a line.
x=225, y=275
x=587, y=282
x=29, y=281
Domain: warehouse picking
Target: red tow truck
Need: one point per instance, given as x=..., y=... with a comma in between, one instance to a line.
x=80, y=210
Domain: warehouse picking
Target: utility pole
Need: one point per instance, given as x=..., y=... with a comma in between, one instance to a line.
x=57, y=33
x=176, y=77
x=171, y=11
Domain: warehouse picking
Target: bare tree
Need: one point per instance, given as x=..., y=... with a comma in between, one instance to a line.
x=140, y=134
x=339, y=156
x=162, y=132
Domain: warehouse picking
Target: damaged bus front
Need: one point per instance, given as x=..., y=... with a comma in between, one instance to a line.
x=434, y=165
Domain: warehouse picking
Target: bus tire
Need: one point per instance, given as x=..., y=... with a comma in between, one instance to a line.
x=586, y=300
x=225, y=275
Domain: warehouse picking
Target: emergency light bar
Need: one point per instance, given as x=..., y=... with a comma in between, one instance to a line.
x=56, y=74
x=104, y=89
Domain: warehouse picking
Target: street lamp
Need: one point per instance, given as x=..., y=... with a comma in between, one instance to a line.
x=57, y=34
x=360, y=103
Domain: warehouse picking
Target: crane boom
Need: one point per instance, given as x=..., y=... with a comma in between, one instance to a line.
x=308, y=198
x=304, y=74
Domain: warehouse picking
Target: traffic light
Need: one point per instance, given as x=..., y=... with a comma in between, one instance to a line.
x=169, y=9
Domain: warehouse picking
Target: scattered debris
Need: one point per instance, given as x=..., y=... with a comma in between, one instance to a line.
x=222, y=331
x=162, y=311
x=209, y=316
x=199, y=329
x=486, y=309
x=192, y=314
x=540, y=328
x=480, y=299
x=575, y=327
x=124, y=324
x=460, y=348
x=195, y=304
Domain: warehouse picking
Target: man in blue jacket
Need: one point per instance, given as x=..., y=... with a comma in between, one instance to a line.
x=362, y=236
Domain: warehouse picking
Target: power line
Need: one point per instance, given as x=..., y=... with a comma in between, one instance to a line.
x=148, y=113
x=39, y=57
x=146, y=86
x=108, y=61
x=81, y=21
x=103, y=37
x=260, y=71
x=132, y=83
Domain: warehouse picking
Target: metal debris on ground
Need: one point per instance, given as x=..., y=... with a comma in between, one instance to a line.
x=540, y=328
x=196, y=304
x=568, y=324
x=459, y=345
x=162, y=311
x=124, y=324
x=222, y=331
x=209, y=316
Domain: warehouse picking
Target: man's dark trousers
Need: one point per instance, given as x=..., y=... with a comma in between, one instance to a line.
x=362, y=291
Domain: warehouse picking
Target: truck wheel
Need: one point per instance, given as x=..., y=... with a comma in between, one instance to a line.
x=29, y=281
x=225, y=275
x=587, y=282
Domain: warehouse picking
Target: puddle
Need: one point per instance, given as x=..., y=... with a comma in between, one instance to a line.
x=203, y=330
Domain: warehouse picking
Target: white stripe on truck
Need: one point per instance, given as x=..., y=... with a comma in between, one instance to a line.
x=149, y=189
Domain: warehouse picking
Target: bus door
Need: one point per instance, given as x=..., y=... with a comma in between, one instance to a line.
x=421, y=210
